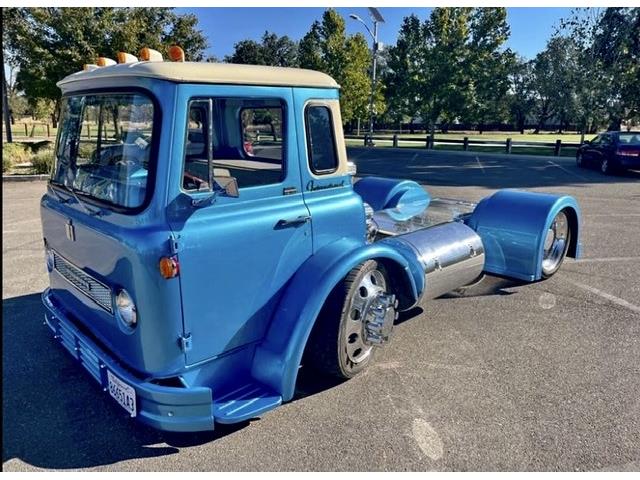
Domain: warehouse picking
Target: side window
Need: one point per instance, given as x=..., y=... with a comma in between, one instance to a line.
x=321, y=144
x=597, y=140
x=262, y=132
x=232, y=137
x=607, y=140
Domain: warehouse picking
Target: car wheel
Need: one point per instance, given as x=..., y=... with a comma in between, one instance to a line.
x=356, y=319
x=556, y=244
x=579, y=160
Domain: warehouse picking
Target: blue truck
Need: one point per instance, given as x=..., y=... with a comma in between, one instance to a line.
x=205, y=235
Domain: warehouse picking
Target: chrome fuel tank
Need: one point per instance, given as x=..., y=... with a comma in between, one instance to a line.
x=451, y=254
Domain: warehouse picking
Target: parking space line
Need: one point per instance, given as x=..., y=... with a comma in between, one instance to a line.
x=612, y=298
x=568, y=171
x=478, y=160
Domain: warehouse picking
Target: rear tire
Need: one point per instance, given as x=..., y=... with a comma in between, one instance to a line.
x=337, y=344
x=556, y=244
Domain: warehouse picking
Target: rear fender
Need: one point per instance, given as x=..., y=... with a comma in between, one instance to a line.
x=512, y=225
x=277, y=359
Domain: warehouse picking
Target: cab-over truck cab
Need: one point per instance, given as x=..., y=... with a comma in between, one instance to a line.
x=204, y=238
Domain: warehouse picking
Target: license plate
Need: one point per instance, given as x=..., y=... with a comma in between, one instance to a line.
x=124, y=394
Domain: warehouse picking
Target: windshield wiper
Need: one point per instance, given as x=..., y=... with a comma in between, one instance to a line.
x=57, y=195
x=96, y=213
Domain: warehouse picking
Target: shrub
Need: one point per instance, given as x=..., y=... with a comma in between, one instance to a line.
x=42, y=161
x=12, y=154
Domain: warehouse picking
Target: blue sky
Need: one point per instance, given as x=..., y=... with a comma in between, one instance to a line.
x=530, y=27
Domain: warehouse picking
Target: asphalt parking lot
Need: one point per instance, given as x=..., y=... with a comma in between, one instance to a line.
x=535, y=377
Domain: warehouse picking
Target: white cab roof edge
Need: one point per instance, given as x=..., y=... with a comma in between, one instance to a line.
x=214, y=73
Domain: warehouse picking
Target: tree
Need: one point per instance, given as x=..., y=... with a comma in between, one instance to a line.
x=327, y=48
x=272, y=50
x=47, y=44
x=608, y=85
x=555, y=72
x=521, y=96
x=488, y=66
x=403, y=75
x=446, y=87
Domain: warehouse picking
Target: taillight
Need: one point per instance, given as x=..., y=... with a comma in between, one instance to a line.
x=169, y=267
x=628, y=153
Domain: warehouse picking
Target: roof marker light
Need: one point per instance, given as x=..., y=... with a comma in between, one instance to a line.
x=176, y=54
x=150, y=55
x=124, y=57
x=105, y=62
x=88, y=67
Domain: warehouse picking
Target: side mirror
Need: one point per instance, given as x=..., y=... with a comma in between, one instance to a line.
x=227, y=185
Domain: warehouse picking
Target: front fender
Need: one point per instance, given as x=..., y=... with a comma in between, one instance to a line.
x=512, y=225
x=277, y=359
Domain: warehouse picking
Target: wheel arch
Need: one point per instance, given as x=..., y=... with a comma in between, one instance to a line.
x=512, y=225
x=278, y=357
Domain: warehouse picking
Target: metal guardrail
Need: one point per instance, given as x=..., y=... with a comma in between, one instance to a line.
x=430, y=141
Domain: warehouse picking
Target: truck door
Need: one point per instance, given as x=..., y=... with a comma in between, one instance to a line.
x=237, y=254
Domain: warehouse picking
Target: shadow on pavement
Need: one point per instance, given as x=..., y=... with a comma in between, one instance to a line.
x=450, y=168
x=56, y=416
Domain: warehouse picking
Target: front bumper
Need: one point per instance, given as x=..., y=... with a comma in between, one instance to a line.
x=165, y=408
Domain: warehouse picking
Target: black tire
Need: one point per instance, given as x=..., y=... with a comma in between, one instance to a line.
x=326, y=349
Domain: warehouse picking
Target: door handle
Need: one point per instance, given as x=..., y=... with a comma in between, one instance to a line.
x=293, y=221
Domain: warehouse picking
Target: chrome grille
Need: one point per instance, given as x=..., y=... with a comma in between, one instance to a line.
x=92, y=288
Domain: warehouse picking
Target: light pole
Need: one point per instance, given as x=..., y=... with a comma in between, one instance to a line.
x=376, y=17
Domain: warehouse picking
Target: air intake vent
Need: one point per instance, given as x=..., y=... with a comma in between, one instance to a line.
x=92, y=288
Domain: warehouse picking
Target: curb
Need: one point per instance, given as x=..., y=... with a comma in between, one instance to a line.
x=24, y=178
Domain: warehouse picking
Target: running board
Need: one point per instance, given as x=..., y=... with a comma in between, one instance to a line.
x=244, y=402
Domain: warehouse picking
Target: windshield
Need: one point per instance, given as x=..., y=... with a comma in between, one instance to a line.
x=104, y=147
x=631, y=139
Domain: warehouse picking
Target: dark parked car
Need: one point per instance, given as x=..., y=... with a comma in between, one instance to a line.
x=611, y=151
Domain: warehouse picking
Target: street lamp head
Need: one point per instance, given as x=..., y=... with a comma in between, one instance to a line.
x=355, y=17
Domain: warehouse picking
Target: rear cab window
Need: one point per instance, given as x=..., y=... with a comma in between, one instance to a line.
x=321, y=142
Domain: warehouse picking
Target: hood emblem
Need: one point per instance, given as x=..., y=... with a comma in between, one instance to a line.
x=71, y=231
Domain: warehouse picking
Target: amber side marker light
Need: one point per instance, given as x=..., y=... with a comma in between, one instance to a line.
x=124, y=57
x=169, y=267
x=176, y=54
x=150, y=55
x=105, y=62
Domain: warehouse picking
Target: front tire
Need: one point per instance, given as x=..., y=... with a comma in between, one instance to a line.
x=343, y=341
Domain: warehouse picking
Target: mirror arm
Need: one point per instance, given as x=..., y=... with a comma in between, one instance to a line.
x=204, y=201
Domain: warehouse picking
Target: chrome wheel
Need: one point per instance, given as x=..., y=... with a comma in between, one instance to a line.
x=556, y=244
x=370, y=317
x=604, y=166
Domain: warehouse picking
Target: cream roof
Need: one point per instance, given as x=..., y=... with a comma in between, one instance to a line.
x=201, y=72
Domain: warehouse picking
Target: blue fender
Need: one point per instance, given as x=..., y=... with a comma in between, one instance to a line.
x=513, y=224
x=382, y=193
x=278, y=357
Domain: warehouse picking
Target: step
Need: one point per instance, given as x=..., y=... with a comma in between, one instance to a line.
x=243, y=402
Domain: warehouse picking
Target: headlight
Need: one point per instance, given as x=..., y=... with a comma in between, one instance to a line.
x=49, y=259
x=126, y=309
